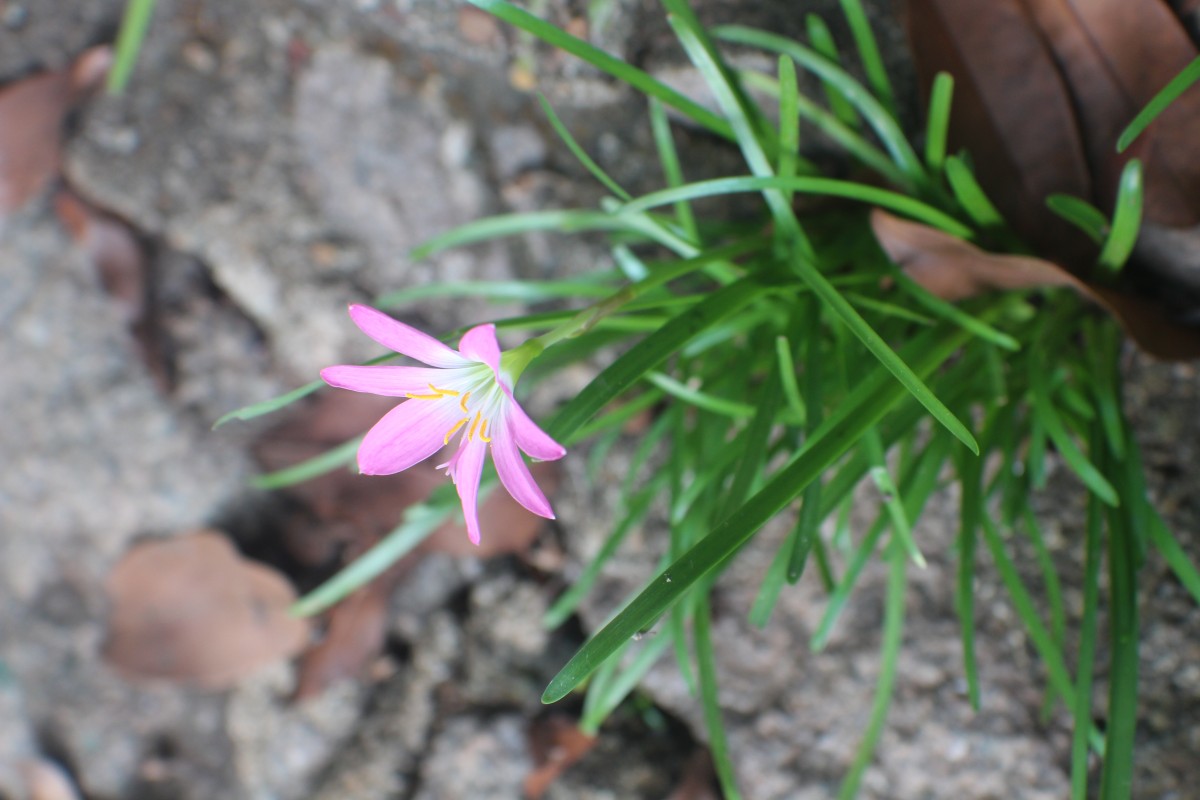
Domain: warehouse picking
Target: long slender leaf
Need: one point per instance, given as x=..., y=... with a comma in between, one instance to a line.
x=822, y=42
x=718, y=742
x=868, y=53
x=1167, y=95
x=134, y=24
x=626, y=73
x=866, y=405
x=577, y=150
x=1127, y=218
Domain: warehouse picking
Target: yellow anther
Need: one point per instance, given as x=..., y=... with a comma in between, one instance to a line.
x=483, y=437
x=444, y=392
x=474, y=425
x=412, y=396
x=462, y=403
x=457, y=426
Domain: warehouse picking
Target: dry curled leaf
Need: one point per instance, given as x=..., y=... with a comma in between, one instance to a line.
x=32, y=112
x=954, y=269
x=354, y=636
x=191, y=610
x=555, y=743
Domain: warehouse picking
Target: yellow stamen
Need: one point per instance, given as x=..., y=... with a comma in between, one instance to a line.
x=445, y=392
x=438, y=394
x=483, y=432
x=474, y=425
x=412, y=396
x=457, y=426
x=463, y=402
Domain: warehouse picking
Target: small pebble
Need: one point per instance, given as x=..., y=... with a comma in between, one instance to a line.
x=14, y=16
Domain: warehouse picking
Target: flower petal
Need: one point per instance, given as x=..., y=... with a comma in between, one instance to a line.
x=408, y=434
x=466, y=469
x=479, y=344
x=515, y=476
x=528, y=436
x=387, y=380
x=404, y=339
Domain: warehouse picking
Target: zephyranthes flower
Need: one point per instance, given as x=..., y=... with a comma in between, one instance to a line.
x=466, y=393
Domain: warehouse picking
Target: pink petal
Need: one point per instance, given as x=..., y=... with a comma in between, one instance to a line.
x=528, y=436
x=515, y=476
x=385, y=380
x=479, y=344
x=466, y=468
x=405, y=339
x=408, y=434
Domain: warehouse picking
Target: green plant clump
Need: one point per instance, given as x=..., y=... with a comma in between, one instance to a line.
x=787, y=357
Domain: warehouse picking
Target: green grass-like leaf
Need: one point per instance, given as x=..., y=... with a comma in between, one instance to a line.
x=866, y=405
x=328, y=461
x=822, y=42
x=577, y=150
x=718, y=741
x=1127, y=219
x=1167, y=95
x=937, y=125
x=626, y=73
x=1082, y=710
x=1080, y=213
x=868, y=53
x=970, y=195
x=130, y=38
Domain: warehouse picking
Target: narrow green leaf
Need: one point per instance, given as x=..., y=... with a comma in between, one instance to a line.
x=881, y=121
x=525, y=291
x=328, y=461
x=937, y=126
x=1116, y=780
x=1047, y=416
x=718, y=742
x=1080, y=213
x=789, y=120
x=948, y=311
x=830, y=187
x=822, y=42
x=626, y=73
x=132, y=34
x=1082, y=709
x=668, y=156
x=970, y=477
x=970, y=195
x=1179, y=562
x=618, y=687
x=889, y=660
x=649, y=353
x=268, y=406
x=787, y=376
x=514, y=224
x=861, y=410
x=868, y=53
x=577, y=150
x=1167, y=95
x=1127, y=220
x=697, y=398
x=419, y=522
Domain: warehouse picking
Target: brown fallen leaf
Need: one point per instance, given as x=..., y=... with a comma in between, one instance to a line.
x=696, y=782
x=555, y=743
x=1011, y=110
x=112, y=247
x=1114, y=55
x=954, y=269
x=32, y=112
x=353, y=637
x=191, y=610
x=45, y=780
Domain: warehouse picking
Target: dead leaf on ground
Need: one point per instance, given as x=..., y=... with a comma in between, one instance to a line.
x=191, y=610
x=1011, y=110
x=32, y=112
x=555, y=743
x=696, y=782
x=45, y=780
x=112, y=247
x=353, y=637
x=1114, y=56
x=954, y=269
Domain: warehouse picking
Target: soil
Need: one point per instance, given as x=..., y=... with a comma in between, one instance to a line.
x=276, y=161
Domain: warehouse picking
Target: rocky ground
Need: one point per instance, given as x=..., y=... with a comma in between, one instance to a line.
x=277, y=160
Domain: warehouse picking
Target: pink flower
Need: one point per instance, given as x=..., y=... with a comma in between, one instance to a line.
x=466, y=391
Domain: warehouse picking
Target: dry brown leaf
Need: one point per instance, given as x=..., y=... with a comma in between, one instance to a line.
x=1114, y=55
x=354, y=637
x=555, y=743
x=954, y=269
x=113, y=249
x=191, y=610
x=45, y=780
x=1011, y=110
x=696, y=782
x=32, y=112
